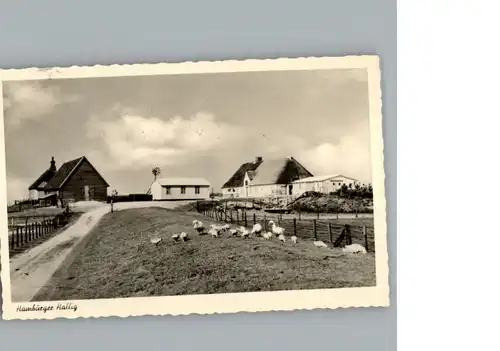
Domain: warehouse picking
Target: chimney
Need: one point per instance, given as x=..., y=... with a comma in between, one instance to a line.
x=258, y=159
x=52, y=165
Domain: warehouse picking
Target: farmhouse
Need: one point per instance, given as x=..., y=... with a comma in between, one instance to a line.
x=76, y=180
x=180, y=189
x=265, y=178
x=322, y=184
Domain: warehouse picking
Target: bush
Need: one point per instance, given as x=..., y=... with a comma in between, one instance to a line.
x=364, y=191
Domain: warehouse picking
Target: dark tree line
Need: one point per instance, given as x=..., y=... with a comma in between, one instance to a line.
x=351, y=191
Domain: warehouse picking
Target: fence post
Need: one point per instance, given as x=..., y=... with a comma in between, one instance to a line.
x=365, y=234
x=254, y=221
x=294, y=226
x=231, y=214
x=245, y=214
x=30, y=237
x=315, y=231
x=348, y=237
x=330, y=232
x=17, y=236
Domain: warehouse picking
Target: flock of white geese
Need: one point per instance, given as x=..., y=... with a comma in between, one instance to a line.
x=277, y=232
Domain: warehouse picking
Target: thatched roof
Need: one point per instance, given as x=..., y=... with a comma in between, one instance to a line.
x=45, y=177
x=42, y=180
x=238, y=177
x=278, y=171
x=64, y=173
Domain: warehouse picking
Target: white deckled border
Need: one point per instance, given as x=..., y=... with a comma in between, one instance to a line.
x=377, y=296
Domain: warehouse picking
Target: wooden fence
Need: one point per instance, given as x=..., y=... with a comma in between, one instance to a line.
x=22, y=234
x=326, y=230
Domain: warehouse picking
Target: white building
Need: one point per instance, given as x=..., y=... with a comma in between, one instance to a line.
x=180, y=189
x=322, y=184
x=264, y=178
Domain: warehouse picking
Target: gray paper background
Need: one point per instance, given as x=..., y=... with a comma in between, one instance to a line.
x=64, y=33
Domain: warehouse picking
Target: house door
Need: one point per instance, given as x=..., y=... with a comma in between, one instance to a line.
x=290, y=189
x=86, y=191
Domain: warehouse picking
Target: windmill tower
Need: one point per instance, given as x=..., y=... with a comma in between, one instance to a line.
x=156, y=172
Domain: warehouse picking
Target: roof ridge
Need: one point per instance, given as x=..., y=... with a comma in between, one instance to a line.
x=80, y=159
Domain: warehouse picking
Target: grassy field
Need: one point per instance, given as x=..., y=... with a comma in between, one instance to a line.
x=117, y=260
x=37, y=212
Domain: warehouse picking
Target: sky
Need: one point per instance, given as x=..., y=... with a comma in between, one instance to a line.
x=188, y=125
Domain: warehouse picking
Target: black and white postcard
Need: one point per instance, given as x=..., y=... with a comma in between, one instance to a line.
x=196, y=187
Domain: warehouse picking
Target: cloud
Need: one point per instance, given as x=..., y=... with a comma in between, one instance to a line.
x=30, y=101
x=130, y=139
x=350, y=156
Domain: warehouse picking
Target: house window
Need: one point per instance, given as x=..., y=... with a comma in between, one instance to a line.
x=183, y=189
x=196, y=189
x=168, y=190
x=246, y=182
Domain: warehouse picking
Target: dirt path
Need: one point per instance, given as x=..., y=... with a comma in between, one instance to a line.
x=32, y=269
